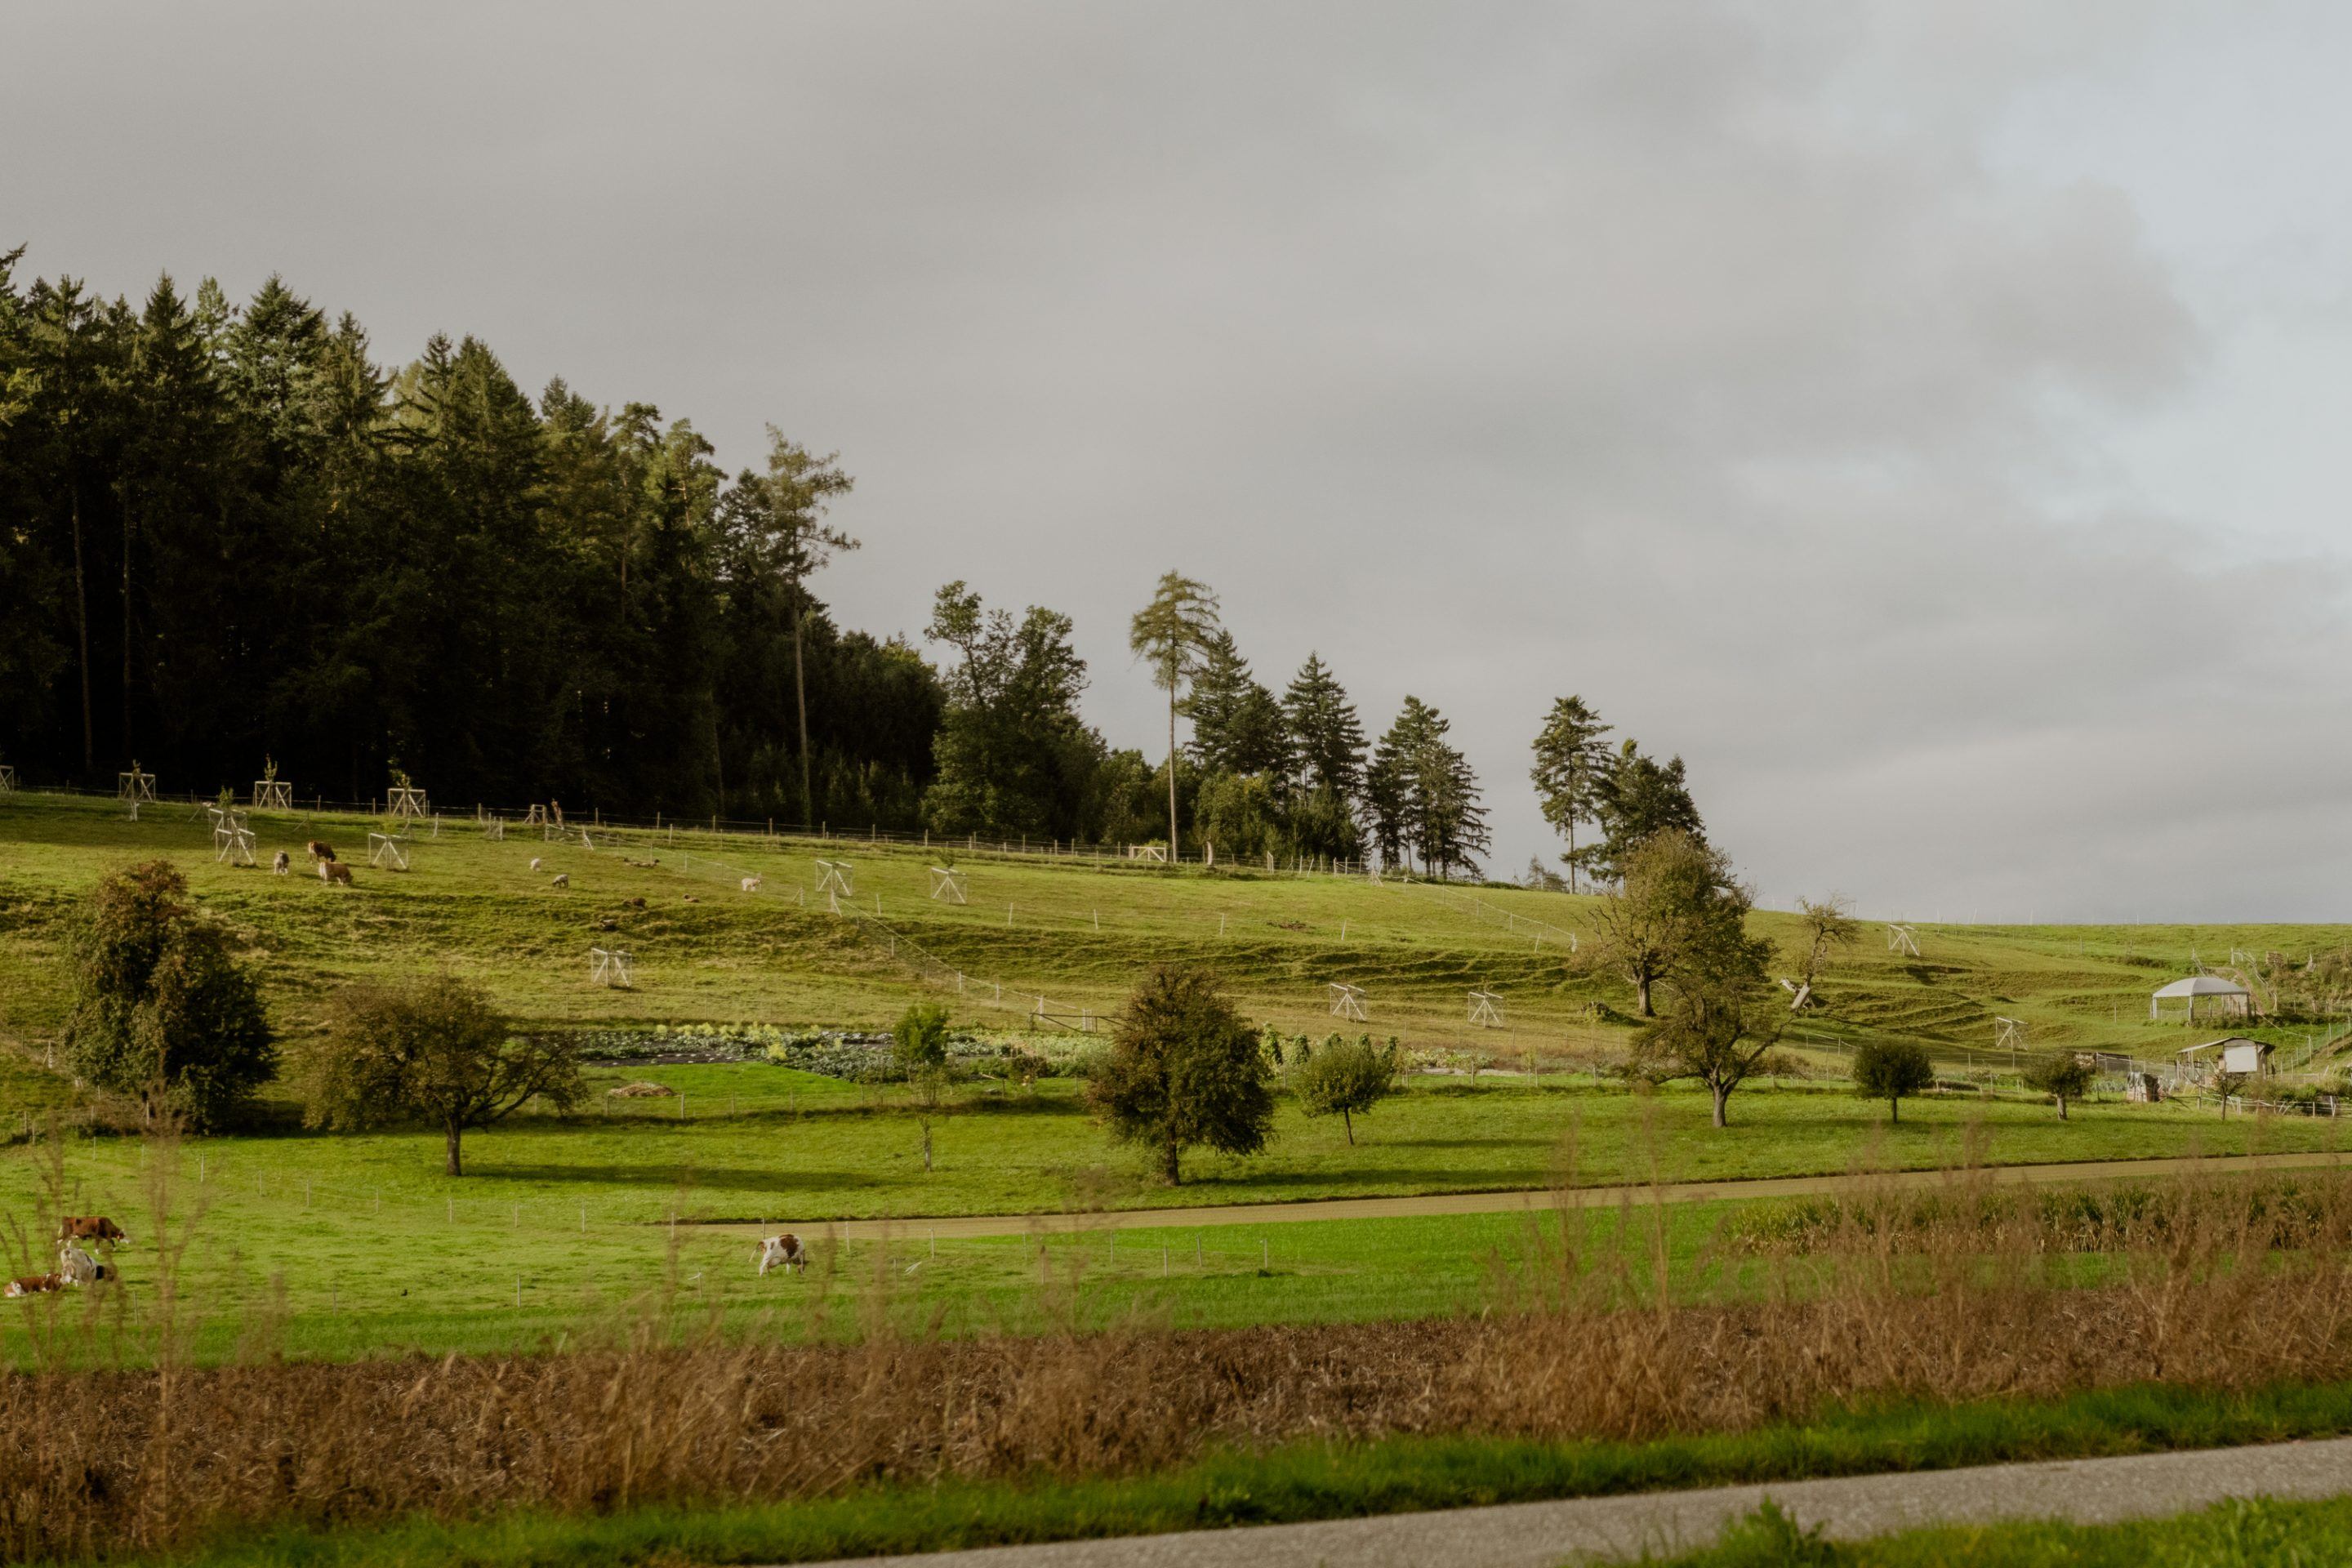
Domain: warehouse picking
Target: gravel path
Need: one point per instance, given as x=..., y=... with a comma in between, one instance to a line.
x=1514, y=1202
x=1542, y=1534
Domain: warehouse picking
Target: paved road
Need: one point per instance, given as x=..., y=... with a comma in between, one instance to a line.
x=1541, y=1534
x=1514, y=1202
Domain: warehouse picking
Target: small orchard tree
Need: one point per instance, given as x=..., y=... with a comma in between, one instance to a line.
x=1826, y=926
x=920, y=1037
x=437, y=1051
x=1889, y=1069
x=162, y=1010
x=2060, y=1076
x=1678, y=900
x=2227, y=1083
x=1347, y=1079
x=1182, y=1072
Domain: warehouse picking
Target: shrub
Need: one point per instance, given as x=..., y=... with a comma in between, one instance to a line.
x=1185, y=1071
x=162, y=1010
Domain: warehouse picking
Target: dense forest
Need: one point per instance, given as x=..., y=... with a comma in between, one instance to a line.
x=230, y=538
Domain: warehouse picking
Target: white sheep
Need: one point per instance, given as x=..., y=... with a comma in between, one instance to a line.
x=562, y=880
x=536, y=862
x=751, y=884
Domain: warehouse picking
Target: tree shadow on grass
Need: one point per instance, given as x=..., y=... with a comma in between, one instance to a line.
x=695, y=1178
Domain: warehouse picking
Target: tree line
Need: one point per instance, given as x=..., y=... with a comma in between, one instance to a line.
x=231, y=538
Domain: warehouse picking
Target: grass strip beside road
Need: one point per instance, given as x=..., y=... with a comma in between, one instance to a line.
x=1316, y=1482
x=2256, y=1532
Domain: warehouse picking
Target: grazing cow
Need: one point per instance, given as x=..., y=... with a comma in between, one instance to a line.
x=562, y=880
x=536, y=862
x=331, y=871
x=783, y=1251
x=283, y=865
x=33, y=1285
x=322, y=851
x=92, y=1227
x=78, y=1268
x=751, y=884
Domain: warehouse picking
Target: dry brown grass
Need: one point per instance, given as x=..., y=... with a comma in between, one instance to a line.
x=1938, y=1307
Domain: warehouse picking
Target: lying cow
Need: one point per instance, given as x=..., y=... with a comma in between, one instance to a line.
x=79, y=1267
x=33, y=1285
x=782, y=1252
x=90, y=1227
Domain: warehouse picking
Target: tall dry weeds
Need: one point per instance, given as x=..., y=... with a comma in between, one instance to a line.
x=1890, y=1297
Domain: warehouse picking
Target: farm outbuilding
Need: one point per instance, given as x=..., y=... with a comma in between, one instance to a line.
x=2237, y=1054
x=2223, y=998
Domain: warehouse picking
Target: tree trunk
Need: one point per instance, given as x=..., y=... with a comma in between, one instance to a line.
x=1642, y=995
x=1171, y=773
x=2062, y=1106
x=81, y=623
x=799, y=699
x=1893, y=1108
x=1170, y=1166
x=927, y=1147
x=1571, y=854
x=455, y=1131
x=1722, y=1094
x=126, y=743
x=1349, y=1123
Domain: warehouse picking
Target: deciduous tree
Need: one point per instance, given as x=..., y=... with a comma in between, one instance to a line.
x=1890, y=1070
x=1346, y=1078
x=2059, y=1075
x=436, y=1051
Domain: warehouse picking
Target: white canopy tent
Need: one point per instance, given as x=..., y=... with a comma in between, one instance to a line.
x=2226, y=999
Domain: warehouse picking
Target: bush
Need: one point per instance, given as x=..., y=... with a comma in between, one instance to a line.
x=1346, y=1077
x=1185, y=1071
x=163, y=1011
x=2059, y=1076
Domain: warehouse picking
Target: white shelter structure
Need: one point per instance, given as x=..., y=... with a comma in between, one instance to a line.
x=2225, y=998
x=2236, y=1055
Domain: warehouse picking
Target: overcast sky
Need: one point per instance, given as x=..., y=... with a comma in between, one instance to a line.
x=1930, y=422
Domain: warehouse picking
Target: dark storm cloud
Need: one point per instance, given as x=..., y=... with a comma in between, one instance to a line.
x=1693, y=358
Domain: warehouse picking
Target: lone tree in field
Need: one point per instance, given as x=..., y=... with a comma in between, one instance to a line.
x=1571, y=774
x=436, y=1051
x=1347, y=1079
x=1678, y=902
x=1889, y=1069
x=1185, y=1071
x=920, y=1041
x=2060, y=1076
x=1720, y=1022
x=1174, y=635
x=161, y=1009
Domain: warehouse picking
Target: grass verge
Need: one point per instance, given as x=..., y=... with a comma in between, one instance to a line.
x=1322, y=1481
x=2256, y=1532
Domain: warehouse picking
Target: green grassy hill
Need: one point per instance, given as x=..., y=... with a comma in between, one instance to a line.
x=1070, y=933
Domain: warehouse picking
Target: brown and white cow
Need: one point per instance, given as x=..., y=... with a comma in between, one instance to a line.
x=320, y=850
x=282, y=866
x=783, y=1251
x=334, y=871
x=33, y=1285
x=90, y=1227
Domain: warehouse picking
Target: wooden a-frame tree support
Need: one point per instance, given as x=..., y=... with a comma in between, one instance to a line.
x=233, y=844
x=1486, y=1009
x=611, y=966
x=535, y=817
x=135, y=785
x=8, y=778
x=947, y=885
x=1800, y=995
x=833, y=880
x=1902, y=938
x=406, y=802
x=388, y=851
x=1348, y=1002
x=2007, y=1034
